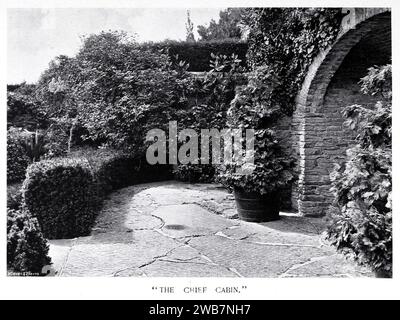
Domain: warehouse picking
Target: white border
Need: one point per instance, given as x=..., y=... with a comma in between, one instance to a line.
x=140, y=288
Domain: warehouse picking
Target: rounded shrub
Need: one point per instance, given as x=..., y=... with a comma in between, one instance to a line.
x=111, y=169
x=27, y=250
x=17, y=157
x=61, y=194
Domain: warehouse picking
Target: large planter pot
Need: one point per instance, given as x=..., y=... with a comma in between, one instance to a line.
x=255, y=207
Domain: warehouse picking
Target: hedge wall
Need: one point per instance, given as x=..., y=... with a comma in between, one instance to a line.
x=198, y=54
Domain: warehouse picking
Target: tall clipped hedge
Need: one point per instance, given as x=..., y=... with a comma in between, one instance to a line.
x=61, y=194
x=198, y=54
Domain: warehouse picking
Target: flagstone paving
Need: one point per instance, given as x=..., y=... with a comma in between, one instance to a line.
x=173, y=229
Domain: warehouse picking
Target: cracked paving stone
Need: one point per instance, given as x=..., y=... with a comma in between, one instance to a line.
x=184, y=252
x=334, y=265
x=130, y=272
x=230, y=213
x=163, y=268
x=186, y=230
x=59, y=251
x=192, y=219
x=264, y=233
x=105, y=254
x=253, y=260
x=165, y=196
x=143, y=221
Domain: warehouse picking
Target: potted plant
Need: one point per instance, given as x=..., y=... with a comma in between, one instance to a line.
x=258, y=191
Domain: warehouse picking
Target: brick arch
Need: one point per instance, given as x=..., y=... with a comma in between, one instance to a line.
x=320, y=137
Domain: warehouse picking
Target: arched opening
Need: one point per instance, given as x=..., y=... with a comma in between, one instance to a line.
x=333, y=85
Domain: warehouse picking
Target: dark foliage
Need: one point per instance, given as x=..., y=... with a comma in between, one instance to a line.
x=198, y=54
x=227, y=27
x=27, y=250
x=362, y=186
x=17, y=156
x=213, y=95
x=14, y=195
x=23, y=107
x=61, y=194
x=286, y=41
x=272, y=170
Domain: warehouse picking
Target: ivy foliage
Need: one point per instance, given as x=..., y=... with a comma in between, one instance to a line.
x=286, y=40
x=362, y=186
x=212, y=97
x=272, y=169
x=227, y=27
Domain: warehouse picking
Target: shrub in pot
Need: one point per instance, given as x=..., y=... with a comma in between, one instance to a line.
x=257, y=191
x=361, y=226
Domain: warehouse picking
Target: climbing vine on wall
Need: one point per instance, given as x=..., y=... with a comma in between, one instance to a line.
x=285, y=41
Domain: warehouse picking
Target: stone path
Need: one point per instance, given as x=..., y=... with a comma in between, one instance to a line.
x=173, y=229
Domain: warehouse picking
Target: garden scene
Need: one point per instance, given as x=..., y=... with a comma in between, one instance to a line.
x=312, y=85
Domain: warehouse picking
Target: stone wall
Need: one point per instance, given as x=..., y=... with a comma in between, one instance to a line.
x=319, y=135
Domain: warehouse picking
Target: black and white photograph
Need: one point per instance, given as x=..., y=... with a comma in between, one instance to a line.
x=193, y=142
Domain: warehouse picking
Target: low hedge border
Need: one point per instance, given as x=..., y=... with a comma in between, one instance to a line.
x=65, y=194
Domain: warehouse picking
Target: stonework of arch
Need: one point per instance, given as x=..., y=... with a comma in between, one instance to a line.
x=320, y=138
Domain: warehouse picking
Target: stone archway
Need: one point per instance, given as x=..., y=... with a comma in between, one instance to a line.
x=321, y=139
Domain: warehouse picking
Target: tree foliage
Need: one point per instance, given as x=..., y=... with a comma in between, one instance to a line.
x=23, y=107
x=189, y=28
x=115, y=89
x=286, y=40
x=227, y=27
